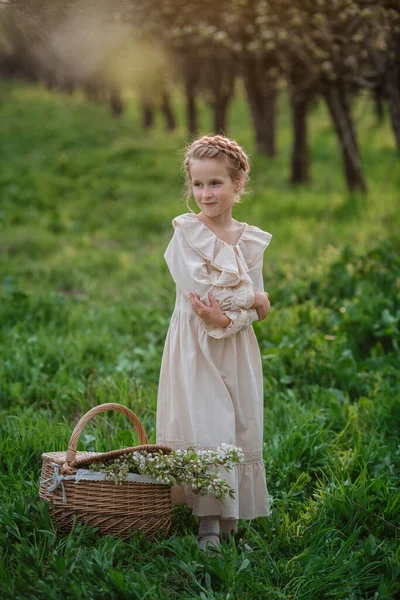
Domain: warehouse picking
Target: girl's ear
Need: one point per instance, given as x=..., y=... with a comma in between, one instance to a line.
x=239, y=185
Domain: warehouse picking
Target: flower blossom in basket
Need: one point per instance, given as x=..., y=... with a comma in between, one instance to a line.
x=188, y=467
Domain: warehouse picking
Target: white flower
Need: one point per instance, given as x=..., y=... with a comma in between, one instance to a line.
x=165, y=468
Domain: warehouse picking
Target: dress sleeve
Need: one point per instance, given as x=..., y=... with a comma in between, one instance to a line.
x=240, y=319
x=190, y=272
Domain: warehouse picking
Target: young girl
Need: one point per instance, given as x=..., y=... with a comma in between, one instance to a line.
x=211, y=381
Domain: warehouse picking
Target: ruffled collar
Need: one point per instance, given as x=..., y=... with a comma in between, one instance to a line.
x=233, y=261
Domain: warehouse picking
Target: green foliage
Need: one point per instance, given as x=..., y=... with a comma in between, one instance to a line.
x=85, y=303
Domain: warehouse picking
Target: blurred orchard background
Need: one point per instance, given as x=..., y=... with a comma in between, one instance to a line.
x=97, y=102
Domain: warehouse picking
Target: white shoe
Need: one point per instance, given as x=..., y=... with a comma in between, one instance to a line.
x=209, y=543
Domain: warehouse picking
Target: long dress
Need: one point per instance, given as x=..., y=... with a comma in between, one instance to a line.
x=211, y=382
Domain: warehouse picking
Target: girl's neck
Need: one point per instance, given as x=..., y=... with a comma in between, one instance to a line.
x=222, y=222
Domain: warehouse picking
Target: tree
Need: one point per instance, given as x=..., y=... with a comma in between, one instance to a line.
x=191, y=34
x=384, y=54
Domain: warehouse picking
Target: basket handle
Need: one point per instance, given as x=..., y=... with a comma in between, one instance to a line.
x=76, y=434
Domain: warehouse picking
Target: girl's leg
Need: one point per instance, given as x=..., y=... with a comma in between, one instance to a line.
x=228, y=526
x=209, y=531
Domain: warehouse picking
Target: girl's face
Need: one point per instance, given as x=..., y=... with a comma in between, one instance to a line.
x=213, y=188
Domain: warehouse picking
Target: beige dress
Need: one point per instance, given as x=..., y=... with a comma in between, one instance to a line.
x=211, y=381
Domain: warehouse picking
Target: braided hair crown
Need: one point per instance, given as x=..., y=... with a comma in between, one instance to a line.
x=210, y=146
x=220, y=148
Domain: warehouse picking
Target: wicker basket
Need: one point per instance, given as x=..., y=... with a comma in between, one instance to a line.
x=119, y=510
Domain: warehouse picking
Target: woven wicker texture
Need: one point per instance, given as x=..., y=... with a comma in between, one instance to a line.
x=115, y=509
x=86, y=458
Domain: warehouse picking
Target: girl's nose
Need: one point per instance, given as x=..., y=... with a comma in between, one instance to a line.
x=207, y=193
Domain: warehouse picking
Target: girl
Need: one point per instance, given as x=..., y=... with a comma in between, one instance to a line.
x=211, y=381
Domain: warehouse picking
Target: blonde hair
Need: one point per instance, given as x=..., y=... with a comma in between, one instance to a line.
x=223, y=149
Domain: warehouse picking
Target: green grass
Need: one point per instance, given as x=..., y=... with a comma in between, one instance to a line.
x=85, y=301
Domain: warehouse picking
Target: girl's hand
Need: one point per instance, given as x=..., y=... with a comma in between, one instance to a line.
x=262, y=304
x=212, y=315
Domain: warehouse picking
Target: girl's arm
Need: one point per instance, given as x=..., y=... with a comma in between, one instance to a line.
x=240, y=319
x=190, y=273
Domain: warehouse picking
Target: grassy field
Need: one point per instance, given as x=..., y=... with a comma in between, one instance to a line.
x=86, y=203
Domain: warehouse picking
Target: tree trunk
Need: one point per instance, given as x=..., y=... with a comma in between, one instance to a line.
x=269, y=135
x=94, y=91
x=345, y=102
x=190, y=67
x=69, y=86
x=220, y=113
x=220, y=106
x=378, y=98
x=147, y=115
x=116, y=104
x=262, y=102
x=91, y=91
x=392, y=89
x=340, y=113
x=300, y=103
x=166, y=108
x=191, y=108
x=223, y=67
x=263, y=113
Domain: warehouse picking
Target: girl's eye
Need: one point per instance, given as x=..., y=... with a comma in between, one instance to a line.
x=216, y=182
x=196, y=184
